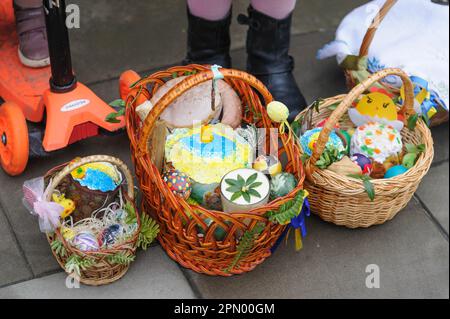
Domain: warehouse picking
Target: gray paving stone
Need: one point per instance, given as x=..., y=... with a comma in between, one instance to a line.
x=25, y=226
x=152, y=276
x=13, y=266
x=412, y=256
x=440, y=137
x=433, y=192
x=119, y=34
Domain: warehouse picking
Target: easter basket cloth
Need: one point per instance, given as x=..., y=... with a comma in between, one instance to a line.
x=407, y=34
x=344, y=200
x=247, y=237
x=97, y=266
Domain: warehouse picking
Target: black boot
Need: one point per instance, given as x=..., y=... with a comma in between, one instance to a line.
x=208, y=41
x=268, y=42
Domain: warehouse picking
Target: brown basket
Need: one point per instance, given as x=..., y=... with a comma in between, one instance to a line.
x=179, y=235
x=342, y=200
x=102, y=272
x=442, y=116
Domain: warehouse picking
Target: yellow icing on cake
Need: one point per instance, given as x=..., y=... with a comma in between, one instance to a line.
x=207, y=163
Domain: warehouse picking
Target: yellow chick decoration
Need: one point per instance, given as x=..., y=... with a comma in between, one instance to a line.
x=376, y=107
x=68, y=204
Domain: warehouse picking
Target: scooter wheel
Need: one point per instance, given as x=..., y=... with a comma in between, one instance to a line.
x=127, y=79
x=14, y=145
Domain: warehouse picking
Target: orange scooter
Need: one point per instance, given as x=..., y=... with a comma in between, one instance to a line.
x=70, y=110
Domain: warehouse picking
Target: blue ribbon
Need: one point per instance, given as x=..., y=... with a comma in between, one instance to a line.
x=298, y=222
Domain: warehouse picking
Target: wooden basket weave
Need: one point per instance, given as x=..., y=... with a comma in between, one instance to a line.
x=179, y=221
x=342, y=200
x=102, y=271
x=442, y=116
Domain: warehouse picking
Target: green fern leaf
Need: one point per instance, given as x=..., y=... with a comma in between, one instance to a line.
x=149, y=231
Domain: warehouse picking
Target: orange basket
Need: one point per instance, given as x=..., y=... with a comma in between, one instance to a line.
x=179, y=221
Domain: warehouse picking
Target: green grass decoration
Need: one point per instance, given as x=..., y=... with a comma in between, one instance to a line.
x=149, y=231
x=76, y=263
x=246, y=244
x=329, y=156
x=288, y=211
x=58, y=247
x=131, y=214
x=243, y=188
x=121, y=259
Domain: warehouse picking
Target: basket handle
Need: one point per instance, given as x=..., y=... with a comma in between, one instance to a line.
x=186, y=85
x=407, y=109
x=92, y=159
x=372, y=30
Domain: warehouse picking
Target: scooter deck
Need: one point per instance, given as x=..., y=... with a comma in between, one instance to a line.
x=18, y=83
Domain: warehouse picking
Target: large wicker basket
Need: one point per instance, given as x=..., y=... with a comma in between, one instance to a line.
x=179, y=221
x=101, y=271
x=442, y=116
x=342, y=200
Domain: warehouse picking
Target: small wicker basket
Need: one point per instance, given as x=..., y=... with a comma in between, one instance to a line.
x=100, y=271
x=180, y=221
x=442, y=116
x=342, y=200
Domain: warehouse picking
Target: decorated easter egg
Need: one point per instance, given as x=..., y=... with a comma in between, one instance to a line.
x=206, y=195
x=395, y=171
x=86, y=241
x=110, y=235
x=363, y=161
x=178, y=182
x=219, y=232
x=269, y=165
x=377, y=141
x=309, y=139
x=282, y=184
x=277, y=111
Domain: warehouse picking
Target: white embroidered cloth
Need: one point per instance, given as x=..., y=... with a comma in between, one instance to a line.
x=414, y=36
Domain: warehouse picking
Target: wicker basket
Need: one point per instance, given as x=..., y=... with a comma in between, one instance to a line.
x=342, y=200
x=102, y=271
x=442, y=116
x=179, y=232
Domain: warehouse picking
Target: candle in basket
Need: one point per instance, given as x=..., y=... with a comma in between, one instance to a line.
x=243, y=190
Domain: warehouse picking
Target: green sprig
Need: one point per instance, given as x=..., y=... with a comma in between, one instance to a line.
x=244, y=188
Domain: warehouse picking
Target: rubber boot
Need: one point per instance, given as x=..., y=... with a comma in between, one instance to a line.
x=208, y=41
x=268, y=42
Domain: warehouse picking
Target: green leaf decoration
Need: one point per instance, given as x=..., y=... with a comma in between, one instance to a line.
x=412, y=122
x=236, y=196
x=247, y=197
x=368, y=186
x=296, y=127
x=232, y=182
x=351, y=62
x=316, y=105
x=255, y=185
x=241, y=181
x=149, y=232
x=131, y=214
x=288, y=210
x=119, y=103
x=121, y=258
x=413, y=153
x=234, y=189
x=251, y=179
x=58, y=247
x=329, y=156
x=76, y=263
x=253, y=192
x=246, y=244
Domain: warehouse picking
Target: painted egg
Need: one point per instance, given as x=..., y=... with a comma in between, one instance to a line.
x=395, y=171
x=277, y=111
x=282, y=184
x=109, y=236
x=309, y=139
x=269, y=165
x=179, y=183
x=363, y=161
x=86, y=241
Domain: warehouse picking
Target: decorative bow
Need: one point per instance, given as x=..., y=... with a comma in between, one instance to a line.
x=49, y=213
x=426, y=101
x=298, y=223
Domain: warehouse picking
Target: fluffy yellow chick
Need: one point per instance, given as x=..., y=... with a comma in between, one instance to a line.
x=68, y=204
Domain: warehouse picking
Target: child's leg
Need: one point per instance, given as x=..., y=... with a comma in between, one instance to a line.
x=212, y=10
x=28, y=4
x=277, y=9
